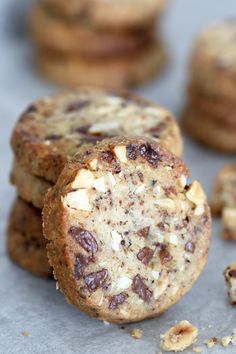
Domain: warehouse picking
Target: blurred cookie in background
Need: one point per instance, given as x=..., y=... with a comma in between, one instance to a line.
x=99, y=43
x=209, y=116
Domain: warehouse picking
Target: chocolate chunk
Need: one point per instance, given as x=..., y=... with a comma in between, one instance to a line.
x=117, y=169
x=32, y=108
x=189, y=247
x=141, y=289
x=145, y=255
x=232, y=273
x=107, y=156
x=84, y=238
x=132, y=151
x=165, y=255
x=53, y=137
x=144, y=231
x=95, y=280
x=149, y=154
x=117, y=300
x=80, y=263
x=77, y=105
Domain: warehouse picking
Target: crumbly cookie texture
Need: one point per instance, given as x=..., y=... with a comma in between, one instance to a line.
x=230, y=278
x=114, y=72
x=30, y=188
x=213, y=60
x=127, y=237
x=54, y=128
x=109, y=14
x=179, y=337
x=224, y=190
x=49, y=30
x=229, y=224
x=25, y=242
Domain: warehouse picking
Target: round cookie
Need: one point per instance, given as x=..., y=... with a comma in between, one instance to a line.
x=54, y=128
x=52, y=32
x=113, y=72
x=127, y=237
x=109, y=14
x=25, y=242
x=204, y=128
x=214, y=60
x=29, y=187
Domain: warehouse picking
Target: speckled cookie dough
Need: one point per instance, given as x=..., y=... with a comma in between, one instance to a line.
x=214, y=60
x=127, y=236
x=55, y=128
x=112, y=72
x=53, y=32
x=224, y=189
x=25, y=242
x=109, y=14
x=30, y=188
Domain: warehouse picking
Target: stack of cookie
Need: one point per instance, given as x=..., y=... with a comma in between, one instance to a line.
x=101, y=43
x=224, y=200
x=126, y=236
x=210, y=114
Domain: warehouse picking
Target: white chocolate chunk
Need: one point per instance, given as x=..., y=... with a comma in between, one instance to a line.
x=196, y=194
x=116, y=239
x=124, y=283
x=111, y=179
x=103, y=127
x=99, y=184
x=199, y=210
x=84, y=179
x=78, y=200
x=93, y=164
x=173, y=239
x=155, y=274
x=120, y=152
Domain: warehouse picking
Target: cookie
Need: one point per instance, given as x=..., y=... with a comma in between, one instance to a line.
x=127, y=237
x=112, y=72
x=230, y=278
x=203, y=128
x=229, y=224
x=224, y=190
x=213, y=61
x=30, y=188
x=109, y=14
x=54, y=128
x=50, y=31
x=25, y=242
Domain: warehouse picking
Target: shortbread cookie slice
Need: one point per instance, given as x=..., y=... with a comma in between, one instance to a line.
x=112, y=72
x=109, y=14
x=25, y=241
x=224, y=190
x=230, y=278
x=213, y=61
x=54, y=128
x=127, y=237
x=51, y=31
x=30, y=188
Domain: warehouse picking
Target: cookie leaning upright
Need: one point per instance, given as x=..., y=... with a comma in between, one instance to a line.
x=52, y=129
x=209, y=116
x=127, y=237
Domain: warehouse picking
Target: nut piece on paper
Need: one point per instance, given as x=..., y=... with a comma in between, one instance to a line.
x=179, y=337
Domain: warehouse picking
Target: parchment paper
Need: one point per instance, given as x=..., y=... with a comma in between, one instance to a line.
x=33, y=305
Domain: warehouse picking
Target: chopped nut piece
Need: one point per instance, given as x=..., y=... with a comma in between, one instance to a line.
x=93, y=164
x=225, y=341
x=199, y=210
x=183, y=181
x=211, y=342
x=166, y=203
x=84, y=179
x=99, y=184
x=230, y=278
x=196, y=194
x=179, y=337
x=136, y=333
x=78, y=200
x=197, y=350
x=120, y=152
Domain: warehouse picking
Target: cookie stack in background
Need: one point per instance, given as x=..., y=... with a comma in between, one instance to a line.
x=55, y=128
x=102, y=43
x=210, y=115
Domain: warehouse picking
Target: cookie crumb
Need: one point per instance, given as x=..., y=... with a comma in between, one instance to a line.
x=211, y=342
x=197, y=350
x=179, y=337
x=25, y=334
x=136, y=333
x=225, y=341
